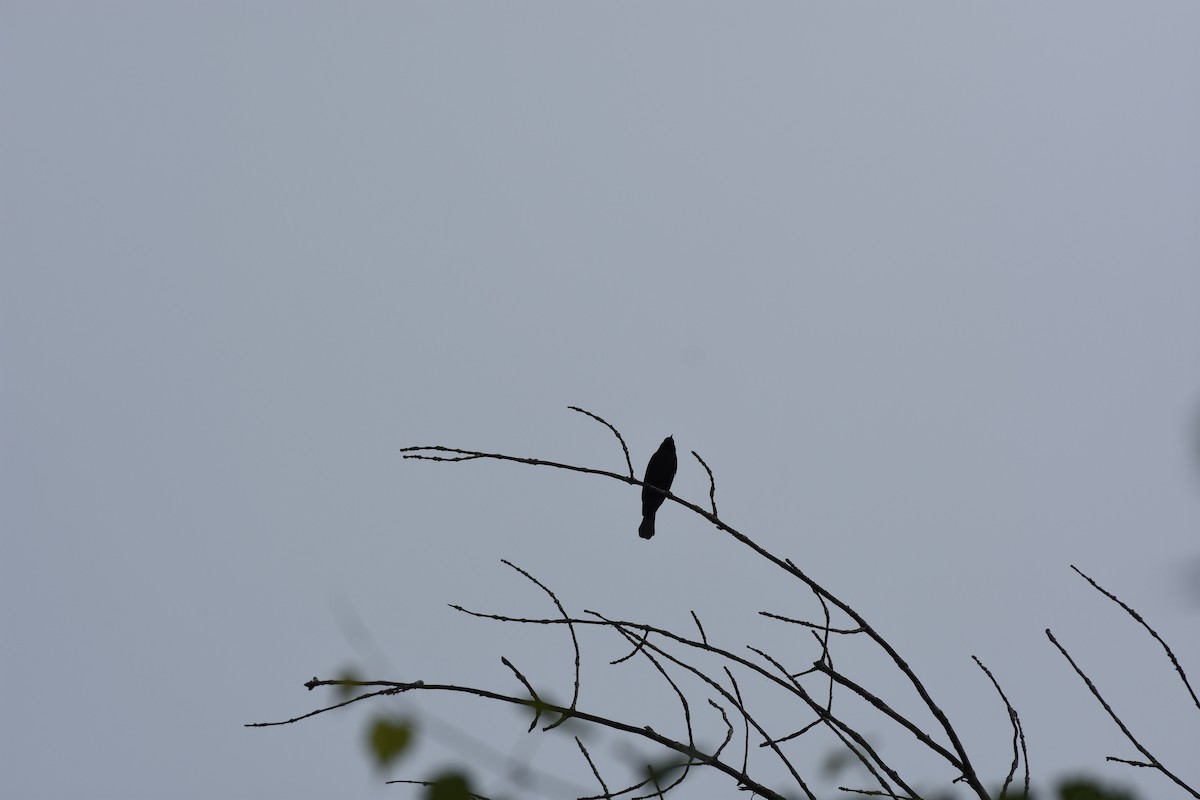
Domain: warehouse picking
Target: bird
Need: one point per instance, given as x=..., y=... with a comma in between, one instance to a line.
x=659, y=474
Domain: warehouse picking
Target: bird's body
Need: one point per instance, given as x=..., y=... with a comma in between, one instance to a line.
x=660, y=472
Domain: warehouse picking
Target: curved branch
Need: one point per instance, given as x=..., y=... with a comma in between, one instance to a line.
x=728, y=726
x=570, y=627
x=737, y=691
x=712, y=483
x=1018, y=735
x=616, y=433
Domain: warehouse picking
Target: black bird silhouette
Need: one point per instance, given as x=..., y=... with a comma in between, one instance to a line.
x=659, y=473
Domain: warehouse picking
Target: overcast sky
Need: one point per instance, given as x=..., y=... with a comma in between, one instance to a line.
x=918, y=280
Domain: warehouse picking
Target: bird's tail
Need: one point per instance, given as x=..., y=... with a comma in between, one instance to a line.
x=646, y=529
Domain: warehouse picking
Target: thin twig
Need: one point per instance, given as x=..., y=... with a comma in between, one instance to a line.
x=1153, y=762
x=314, y=682
x=699, y=627
x=737, y=692
x=795, y=734
x=636, y=649
x=728, y=727
x=628, y=789
x=1171, y=655
x=537, y=709
x=712, y=483
x=817, y=626
x=431, y=783
x=421, y=453
x=570, y=627
x=1018, y=735
x=873, y=793
x=612, y=428
x=879, y=704
x=826, y=656
x=592, y=764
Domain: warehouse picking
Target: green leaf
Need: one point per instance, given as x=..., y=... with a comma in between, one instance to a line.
x=451, y=786
x=388, y=739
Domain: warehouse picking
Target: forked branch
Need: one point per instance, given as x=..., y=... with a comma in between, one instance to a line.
x=399, y=687
x=670, y=653
x=960, y=759
x=1150, y=762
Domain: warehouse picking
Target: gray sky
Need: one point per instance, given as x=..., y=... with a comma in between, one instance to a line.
x=918, y=280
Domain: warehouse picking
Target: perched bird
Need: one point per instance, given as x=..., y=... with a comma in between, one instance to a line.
x=659, y=473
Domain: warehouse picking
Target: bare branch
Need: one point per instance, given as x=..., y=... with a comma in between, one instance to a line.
x=570, y=627
x=814, y=625
x=1146, y=625
x=699, y=627
x=430, y=783
x=879, y=704
x=728, y=726
x=314, y=682
x=648, y=733
x=1151, y=760
x=795, y=734
x=647, y=630
x=422, y=453
x=712, y=483
x=636, y=649
x=873, y=793
x=537, y=708
x=592, y=764
x=969, y=774
x=786, y=682
x=737, y=692
x=825, y=631
x=612, y=428
x=1018, y=735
